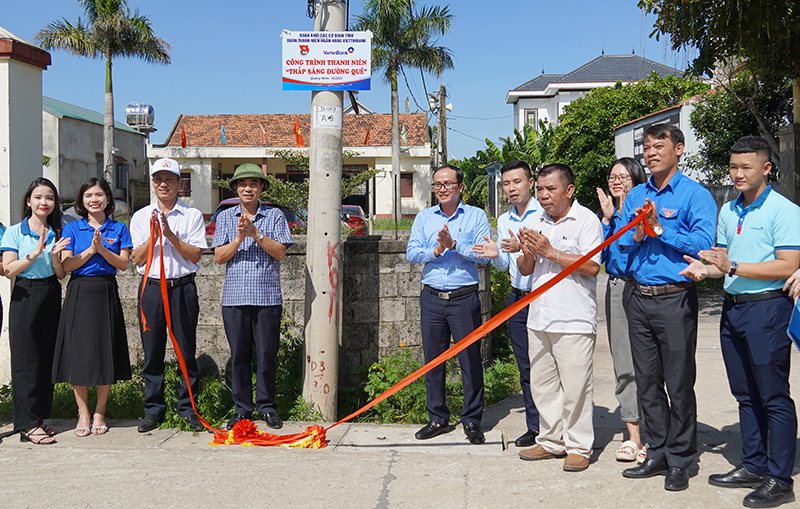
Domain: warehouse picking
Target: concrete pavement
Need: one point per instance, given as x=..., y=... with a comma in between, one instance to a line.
x=381, y=466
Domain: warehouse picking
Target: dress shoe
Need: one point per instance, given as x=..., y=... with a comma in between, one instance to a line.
x=273, y=420
x=474, y=433
x=431, y=430
x=739, y=477
x=194, y=423
x=677, y=479
x=528, y=439
x=236, y=418
x=771, y=493
x=649, y=468
x=149, y=423
x=537, y=452
x=576, y=463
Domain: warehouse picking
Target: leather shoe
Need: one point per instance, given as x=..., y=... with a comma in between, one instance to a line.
x=650, y=468
x=149, y=423
x=431, y=430
x=576, y=463
x=236, y=418
x=474, y=433
x=528, y=439
x=739, y=477
x=771, y=493
x=537, y=452
x=194, y=423
x=677, y=479
x=273, y=420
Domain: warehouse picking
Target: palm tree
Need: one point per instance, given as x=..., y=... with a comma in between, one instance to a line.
x=111, y=30
x=403, y=38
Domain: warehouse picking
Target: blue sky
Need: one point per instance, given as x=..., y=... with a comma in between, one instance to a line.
x=226, y=57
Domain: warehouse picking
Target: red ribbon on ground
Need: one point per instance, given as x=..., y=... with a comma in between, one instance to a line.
x=245, y=431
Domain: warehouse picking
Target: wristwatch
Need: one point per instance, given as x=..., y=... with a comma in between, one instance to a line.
x=658, y=229
x=734, y=266
x=259, y=237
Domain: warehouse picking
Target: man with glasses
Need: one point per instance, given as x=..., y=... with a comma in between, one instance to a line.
x=442, y=238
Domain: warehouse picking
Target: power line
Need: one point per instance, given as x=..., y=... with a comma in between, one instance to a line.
x=481, y=118
x=465, y=134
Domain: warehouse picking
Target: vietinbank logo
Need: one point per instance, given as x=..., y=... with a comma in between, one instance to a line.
x=338, y=52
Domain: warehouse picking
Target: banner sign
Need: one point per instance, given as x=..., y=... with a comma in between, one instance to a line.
x=327, y=60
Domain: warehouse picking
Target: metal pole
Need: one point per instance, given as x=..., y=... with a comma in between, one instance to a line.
x=323, y=252
x=442, y=125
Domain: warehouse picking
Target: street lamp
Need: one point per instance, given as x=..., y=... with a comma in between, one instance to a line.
x=492, y=171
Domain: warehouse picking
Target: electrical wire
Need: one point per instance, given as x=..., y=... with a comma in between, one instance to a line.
x=450, y=115
x=465, y=134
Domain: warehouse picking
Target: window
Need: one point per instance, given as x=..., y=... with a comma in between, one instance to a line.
x=122, y=175
x=530, y=117
x=185, y=185
x=406, y=185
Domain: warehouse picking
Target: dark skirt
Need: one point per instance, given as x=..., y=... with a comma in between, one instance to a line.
x=92, y=344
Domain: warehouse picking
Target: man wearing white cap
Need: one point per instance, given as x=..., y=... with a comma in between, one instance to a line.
x=184, y=240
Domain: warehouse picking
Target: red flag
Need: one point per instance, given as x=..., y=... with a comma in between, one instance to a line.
x=263, y=135
x=183, y=138
x=297, y=134
x=366, y=138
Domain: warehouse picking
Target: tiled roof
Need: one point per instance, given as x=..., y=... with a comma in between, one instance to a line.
x=62, y=109
x=243, y=130
x=608, y=68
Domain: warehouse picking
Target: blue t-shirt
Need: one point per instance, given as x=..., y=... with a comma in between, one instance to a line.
x=115, y=237
x=752, y=235
x=22, y=240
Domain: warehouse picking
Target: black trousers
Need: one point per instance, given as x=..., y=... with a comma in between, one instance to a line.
x=33, y=323
x=518, y=330
x=184, y=310
x=663, y=334
x=757, y=353
x=245, y=327
x=441, y=319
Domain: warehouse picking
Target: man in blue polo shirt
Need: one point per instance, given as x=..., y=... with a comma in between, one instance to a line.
x=662, y=305
x=758, y=247
x=517, y=184
x=441, y=238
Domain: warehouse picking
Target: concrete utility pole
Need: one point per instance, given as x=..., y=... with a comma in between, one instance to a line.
x=323, y=252
x=442, y=126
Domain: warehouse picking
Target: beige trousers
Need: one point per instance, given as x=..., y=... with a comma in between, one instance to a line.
x=561, y=386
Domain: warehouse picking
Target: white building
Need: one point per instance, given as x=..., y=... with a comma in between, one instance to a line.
x=206, y=158
x=544, y=97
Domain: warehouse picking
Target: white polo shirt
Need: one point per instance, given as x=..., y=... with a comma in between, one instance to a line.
x=571, y=305
x=186, y=223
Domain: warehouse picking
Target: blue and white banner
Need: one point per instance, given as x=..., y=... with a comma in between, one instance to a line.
x=327, y=60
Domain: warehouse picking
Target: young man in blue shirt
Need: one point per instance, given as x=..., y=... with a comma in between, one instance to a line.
x=758, y=247
x=517, y=184
x=662, y=306
x=441, y=238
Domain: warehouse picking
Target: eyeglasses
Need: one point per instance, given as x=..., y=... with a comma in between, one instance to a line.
x=621, y=178
x=447, y=185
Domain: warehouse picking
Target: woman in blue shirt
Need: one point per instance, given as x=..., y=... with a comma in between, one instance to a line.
x=31, y=253
x=623, y=175
x=92, y=344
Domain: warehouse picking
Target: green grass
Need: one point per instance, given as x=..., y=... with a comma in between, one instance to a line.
x=388, y=224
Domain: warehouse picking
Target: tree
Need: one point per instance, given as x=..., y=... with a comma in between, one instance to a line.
x=403, y=38
x=766, y=33
x=111, y=30
x=584, y=138
x=723, y=117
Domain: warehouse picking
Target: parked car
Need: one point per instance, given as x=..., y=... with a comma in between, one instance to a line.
x=355, y=218
x=227, y=203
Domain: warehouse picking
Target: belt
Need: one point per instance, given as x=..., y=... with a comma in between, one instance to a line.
x=754, y=297
x=451, y=294
x=172, y=283
x=520, y=293
x=652, y=291
x=615, y=278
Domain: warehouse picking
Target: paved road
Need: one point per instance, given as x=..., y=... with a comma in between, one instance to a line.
x=379, y=466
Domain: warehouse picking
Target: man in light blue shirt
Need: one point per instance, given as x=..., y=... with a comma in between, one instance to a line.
x=442, y=238
x=758, y=247
x=517, y=184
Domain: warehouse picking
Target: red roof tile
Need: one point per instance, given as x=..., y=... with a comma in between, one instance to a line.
x=243, y=130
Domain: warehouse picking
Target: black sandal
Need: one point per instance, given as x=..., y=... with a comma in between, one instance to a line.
x=47, y=429
x=35, y=438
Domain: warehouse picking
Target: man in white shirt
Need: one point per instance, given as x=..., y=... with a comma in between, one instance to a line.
x=562, y=323
x=184, y=240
